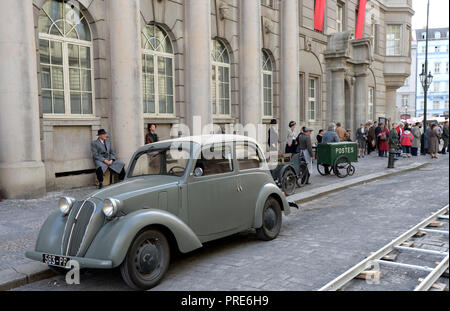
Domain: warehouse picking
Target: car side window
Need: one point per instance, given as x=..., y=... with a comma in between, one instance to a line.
x=247, y=156
x=215, y=159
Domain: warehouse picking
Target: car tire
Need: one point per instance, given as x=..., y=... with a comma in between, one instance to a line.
x=271, y=220
x=147, y=260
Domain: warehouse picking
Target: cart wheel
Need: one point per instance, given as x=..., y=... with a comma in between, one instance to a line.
x=351, y=170
x=321, y=169
x=288, y=181
x=303, y=174
x=341, y=165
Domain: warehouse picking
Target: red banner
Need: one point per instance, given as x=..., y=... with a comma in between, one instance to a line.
x=361, y=19
x=319, y=12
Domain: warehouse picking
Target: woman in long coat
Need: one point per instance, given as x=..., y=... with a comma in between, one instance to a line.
x=417, y=137
x=434, y=141
x=383, y=138
x=361, y=139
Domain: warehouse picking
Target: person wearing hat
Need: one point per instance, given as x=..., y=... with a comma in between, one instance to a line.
x=291, y=142
x=272, y=140
x=105, y=158
x=304, y=148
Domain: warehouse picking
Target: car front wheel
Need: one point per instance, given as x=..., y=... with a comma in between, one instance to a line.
x=147, y=260
x=271, y=220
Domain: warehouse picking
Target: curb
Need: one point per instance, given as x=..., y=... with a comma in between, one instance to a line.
x=24, y=274
x=35, y=271
x=310, y=195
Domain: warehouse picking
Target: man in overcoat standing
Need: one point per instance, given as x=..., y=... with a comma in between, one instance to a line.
x=105, y=158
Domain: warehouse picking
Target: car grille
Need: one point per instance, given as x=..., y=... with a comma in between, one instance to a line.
x=76, y=227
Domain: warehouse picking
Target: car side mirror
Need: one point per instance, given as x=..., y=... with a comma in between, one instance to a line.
x=198, y=172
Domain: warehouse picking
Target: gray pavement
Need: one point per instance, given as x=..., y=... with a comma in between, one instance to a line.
x=322, y=240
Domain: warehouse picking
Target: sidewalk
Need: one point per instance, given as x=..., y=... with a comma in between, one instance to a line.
x=20, y=220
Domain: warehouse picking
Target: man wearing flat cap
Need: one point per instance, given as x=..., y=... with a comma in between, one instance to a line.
x=105, y=158
x=304, y=147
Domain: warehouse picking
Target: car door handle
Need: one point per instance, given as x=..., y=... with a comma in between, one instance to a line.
x=239, y=189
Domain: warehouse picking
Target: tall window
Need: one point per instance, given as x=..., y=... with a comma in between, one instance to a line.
x=373, y=33
x=312, y=100
x=437, y=35
x=65, y=50
x=267, y=74
x=435, y=104
x=436, y=49
x=221, y=92
x=405, y=102
x=393, y=40
x=157, y=71
x=437, y=67
x=339, y=17
x=370, y=103
x=436, y=87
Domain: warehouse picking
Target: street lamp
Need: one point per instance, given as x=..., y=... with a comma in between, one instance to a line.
x=426, y=81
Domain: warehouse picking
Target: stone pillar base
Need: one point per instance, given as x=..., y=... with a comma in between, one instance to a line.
x=22, y=180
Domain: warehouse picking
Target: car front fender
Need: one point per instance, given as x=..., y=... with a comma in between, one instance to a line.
x=267, y=190
x=51, y=233
x=114, y=239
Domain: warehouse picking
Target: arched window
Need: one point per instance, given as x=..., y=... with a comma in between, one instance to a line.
x=267, y=79
x=221, y=91
x=157, y=71
x=65, y=49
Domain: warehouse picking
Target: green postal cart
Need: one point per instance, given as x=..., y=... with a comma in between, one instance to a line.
x=338, y=157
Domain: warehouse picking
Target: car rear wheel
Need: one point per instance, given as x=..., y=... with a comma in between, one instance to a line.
x=271, y=222
x=147, y=260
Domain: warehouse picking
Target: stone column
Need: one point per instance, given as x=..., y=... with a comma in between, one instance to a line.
x=250, y=62
x=337, y=90
x=289, y=110
x=391, y=105
x=126, y=78
x=198, y=60
x=361, y=98
x=22, y=173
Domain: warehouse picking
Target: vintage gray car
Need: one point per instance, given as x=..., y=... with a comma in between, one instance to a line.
x=177, y=195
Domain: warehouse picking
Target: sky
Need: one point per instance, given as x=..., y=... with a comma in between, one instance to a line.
x=439, y=16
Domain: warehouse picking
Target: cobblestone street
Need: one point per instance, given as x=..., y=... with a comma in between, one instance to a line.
x=317, y=243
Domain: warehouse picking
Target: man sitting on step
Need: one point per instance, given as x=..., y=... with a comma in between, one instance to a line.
x=105, y=158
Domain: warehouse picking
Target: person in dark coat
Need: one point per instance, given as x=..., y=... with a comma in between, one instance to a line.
x=377, y=132
x=371, y=139
x=426, y=139
x=319, y=137
x=105, y=158
x=304, y=148
x=445, y=136
x=361, y=139
x=151, y=136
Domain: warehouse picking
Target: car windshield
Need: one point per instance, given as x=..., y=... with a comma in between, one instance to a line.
x=171, y=162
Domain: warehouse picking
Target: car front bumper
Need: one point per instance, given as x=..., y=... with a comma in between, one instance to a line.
x=84, y=262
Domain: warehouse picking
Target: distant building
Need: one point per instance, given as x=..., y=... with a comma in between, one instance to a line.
x=437, y=103
x=406, y=95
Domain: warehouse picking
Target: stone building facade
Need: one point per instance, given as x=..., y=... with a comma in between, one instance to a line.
x=69, y=68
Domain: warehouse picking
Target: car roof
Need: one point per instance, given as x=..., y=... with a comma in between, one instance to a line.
x=202, y=140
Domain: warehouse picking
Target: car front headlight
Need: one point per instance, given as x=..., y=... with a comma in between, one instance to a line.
x=65, y=205
x=111, y=207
